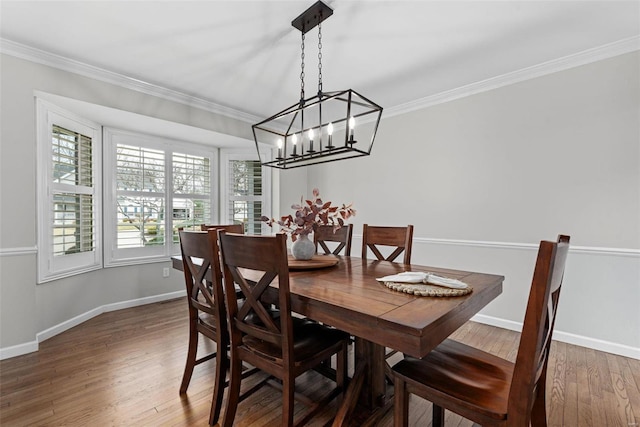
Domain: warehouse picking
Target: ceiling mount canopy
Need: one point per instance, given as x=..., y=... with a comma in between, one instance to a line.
x=324, y=128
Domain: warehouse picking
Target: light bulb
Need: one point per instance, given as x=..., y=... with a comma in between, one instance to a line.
x=352, y=123
x=330, y=129
x=310, y=134
x=294, y=139
x=280, y=143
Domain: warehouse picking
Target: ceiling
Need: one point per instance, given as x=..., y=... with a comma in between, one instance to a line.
x=245, y=55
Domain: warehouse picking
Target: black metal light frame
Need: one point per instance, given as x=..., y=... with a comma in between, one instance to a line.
x=323, y=113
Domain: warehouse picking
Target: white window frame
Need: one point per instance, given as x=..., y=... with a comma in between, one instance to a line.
x=56, y=267
x=227, y=155
x=129, y=256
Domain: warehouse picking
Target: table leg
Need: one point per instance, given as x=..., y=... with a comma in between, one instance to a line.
x=367, y=387
x=351, y=397
x=372, y=355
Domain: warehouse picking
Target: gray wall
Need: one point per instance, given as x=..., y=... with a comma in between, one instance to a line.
x=484, y=178
x=27, y=309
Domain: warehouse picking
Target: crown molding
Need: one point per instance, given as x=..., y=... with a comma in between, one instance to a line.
x=28, y=53
x=581, y=58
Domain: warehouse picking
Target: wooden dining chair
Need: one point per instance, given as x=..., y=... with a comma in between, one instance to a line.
x=284, y=347
x=341, y=236
x=399, y=237
x=231, y=228
x=207, y=315
x=484, y=388
x=203, y=280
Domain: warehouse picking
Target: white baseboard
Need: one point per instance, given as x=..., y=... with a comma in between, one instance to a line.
x=18, y=350
x=32, y=346
x=566, y=337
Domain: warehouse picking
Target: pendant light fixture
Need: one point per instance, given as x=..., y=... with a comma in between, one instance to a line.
x=324, y=128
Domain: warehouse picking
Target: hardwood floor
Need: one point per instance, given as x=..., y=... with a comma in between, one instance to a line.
x=124, y=368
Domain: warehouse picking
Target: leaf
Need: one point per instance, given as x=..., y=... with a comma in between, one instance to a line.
x=316, y=192
x=326, y=205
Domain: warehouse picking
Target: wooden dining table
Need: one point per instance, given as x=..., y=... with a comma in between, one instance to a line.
x=348, y=297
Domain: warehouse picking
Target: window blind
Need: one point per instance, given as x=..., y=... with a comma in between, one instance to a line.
x=140, y=196
x=72, y=207
x=245, y=194
x=191, y=192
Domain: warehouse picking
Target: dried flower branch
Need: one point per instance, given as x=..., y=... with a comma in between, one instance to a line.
x=309, y=215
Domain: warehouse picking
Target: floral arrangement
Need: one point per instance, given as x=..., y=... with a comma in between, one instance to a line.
x=310, y=214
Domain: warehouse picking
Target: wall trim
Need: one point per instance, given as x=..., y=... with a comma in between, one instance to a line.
x=32, y=346
x=18, y=350
x=592, y=250
x=32, y=54
x=27, y=250
x=588, y=56
x=566, y=337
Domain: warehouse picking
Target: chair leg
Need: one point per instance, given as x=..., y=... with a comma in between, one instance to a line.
x=233, y=397
x=539, y=411
x=438, y=416
x=401, y=403
x=341, y=368
x=288, y=388
x=222, y=365
x=191, y=359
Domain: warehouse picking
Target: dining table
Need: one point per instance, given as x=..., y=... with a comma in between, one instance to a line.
x=346, y=295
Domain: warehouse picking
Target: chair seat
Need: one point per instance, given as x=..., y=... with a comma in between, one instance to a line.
x=208, y=320
x=475, y=379
x=310, y=338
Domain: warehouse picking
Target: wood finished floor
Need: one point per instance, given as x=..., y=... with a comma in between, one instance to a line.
x=124, y=368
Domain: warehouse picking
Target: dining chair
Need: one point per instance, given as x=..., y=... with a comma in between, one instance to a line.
x=399, y=237
x=231, y=228
x=203, y=280
x=284, y=347
x=484, y=388
x=342, y=236
x=207, y=315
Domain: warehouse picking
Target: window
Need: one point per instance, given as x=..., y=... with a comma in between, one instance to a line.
x=69, y=182
x=155, y=187
x=246, y=191
x=110, y=197
x=191, y=191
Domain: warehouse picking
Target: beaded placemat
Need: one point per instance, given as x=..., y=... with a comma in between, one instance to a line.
x=427, y=290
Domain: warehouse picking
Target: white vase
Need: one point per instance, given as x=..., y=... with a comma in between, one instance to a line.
x=303, y=248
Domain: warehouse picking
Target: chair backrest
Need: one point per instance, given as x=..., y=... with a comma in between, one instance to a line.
x=231, y=228
x=400, y=237
x=203, y=275
x=265, y=259
x=326, y=233
x=535, y=340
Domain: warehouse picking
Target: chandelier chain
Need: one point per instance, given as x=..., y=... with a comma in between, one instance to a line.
x=319, y=58
x=302, y=70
